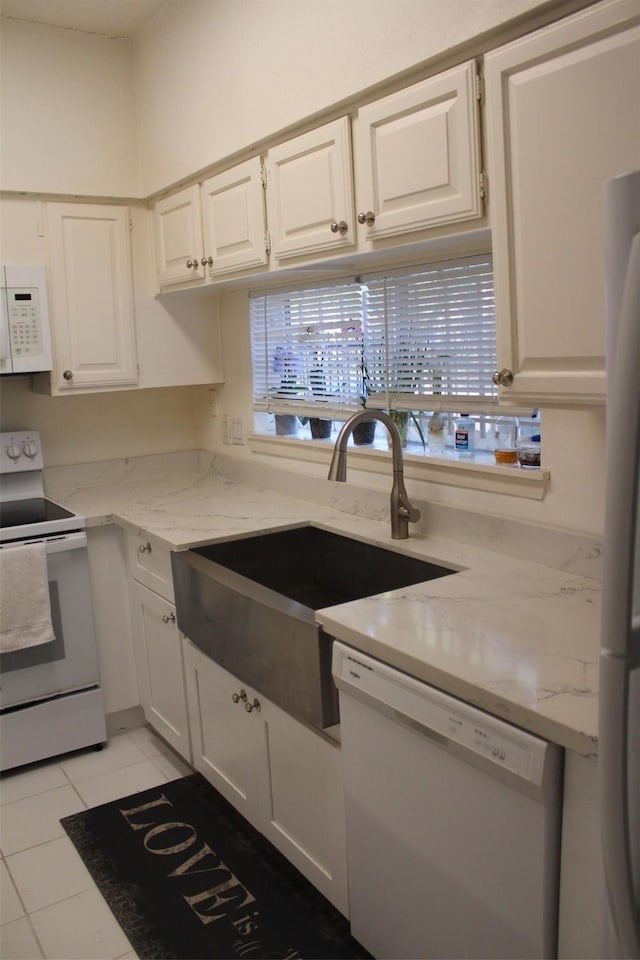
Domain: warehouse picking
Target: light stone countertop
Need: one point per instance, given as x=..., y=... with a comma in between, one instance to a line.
x=515, y=638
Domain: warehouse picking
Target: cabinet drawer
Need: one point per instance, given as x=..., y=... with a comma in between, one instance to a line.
x=150, y=564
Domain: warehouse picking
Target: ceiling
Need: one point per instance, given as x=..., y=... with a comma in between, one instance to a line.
x=110, y=18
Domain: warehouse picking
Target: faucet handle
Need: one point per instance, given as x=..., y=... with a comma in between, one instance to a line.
x=407, y=510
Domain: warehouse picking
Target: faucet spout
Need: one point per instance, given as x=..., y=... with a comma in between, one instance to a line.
x=402, y=511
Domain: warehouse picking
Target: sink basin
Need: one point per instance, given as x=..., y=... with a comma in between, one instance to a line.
x=249, y=604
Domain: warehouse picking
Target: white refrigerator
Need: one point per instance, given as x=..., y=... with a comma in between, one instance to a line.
x=619, y=734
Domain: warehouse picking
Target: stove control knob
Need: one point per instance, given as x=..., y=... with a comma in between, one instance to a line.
x=30, y=449
x=14, y=452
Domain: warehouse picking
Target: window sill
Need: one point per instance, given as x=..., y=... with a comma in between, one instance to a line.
x=478, y=474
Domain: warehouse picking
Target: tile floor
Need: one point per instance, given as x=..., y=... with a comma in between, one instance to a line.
x=49, y=905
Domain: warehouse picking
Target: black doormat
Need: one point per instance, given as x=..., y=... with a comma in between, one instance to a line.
x=187, y=877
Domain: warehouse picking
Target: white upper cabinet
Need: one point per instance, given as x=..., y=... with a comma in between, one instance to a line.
x=89, y=249
x=234, y=223
x=417, y=156
x=562, y=110
x=179, y=343
x=310, y=193
x=178, y=233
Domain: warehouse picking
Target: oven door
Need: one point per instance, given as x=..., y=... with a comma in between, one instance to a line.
x=70, y=661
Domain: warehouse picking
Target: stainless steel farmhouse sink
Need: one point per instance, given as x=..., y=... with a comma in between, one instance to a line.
x=249, y=605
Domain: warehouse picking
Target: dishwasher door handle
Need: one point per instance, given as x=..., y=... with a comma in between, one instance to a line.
x=420, y=728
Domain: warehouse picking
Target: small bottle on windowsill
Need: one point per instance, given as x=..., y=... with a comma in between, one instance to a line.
x=465, y=437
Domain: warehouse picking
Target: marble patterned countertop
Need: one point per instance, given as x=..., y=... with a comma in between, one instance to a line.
x=515, y=638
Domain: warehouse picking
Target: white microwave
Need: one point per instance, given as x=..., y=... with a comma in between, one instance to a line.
x=25, y=331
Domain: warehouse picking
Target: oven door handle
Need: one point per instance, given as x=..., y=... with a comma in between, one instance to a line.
x=53, y=544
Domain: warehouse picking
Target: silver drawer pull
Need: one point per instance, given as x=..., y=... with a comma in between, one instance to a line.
x=237, y=697
x=144, y=548
x=169, y=617
x=249, y=707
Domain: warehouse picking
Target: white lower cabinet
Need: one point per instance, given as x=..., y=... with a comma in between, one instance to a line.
x=157, y=643
x=583, y=926
x=158, y=654
x=279, y=774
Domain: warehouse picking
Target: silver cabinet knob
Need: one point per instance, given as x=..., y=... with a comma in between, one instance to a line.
x=191, y=263
x=340, y=227
x=144, y=548
x=369, y=218
x=237, y=697
x=169, y=617
x=503, y=378
x=255, y=705
x=207, y=261
x=68, y=374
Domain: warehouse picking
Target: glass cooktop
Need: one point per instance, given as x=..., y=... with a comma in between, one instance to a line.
x=18, y=513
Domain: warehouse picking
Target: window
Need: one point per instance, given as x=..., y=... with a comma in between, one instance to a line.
x=416, y=339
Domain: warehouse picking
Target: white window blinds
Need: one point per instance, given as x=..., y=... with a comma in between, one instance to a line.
x=432, y=332
x=307, y=348
x=412, y=339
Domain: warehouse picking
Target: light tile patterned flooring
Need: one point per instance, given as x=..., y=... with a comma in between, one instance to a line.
x=49, y=905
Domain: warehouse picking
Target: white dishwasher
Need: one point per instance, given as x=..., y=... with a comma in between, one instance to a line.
x=453, y=821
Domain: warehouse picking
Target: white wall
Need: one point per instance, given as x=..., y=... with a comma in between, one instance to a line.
x=101, y=426
x=214, y=76
x=67, y=116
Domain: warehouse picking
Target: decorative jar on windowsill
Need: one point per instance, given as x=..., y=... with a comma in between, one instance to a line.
x=286, y=425
x=320, y=429
x=364, y=433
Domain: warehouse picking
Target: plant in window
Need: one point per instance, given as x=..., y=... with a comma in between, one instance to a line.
x=437, y=372
x=320, y=427
x=402, y=418
x=364, y=433
x=288, y=365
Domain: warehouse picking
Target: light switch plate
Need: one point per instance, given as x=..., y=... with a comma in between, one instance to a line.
x=237, y=433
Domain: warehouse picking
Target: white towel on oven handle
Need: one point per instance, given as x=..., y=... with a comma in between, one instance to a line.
x=25, y=608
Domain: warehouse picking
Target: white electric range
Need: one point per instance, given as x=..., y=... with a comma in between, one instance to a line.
x=50, y=697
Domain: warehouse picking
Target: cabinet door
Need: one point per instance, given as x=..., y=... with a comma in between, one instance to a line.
x=562, y=118
x=302, y=803
x=234, y=223
x=310, y=192
x=228, y=742
x=178, y=234
x=150, y=564
x=417, y=155
x=91, y=296
x=157, y=647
